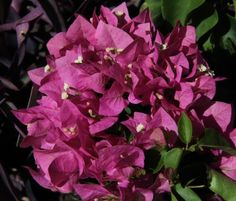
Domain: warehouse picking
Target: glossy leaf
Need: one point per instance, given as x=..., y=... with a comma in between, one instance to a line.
x=176, y=10
x=185, y=128
x=173, y=198
x=154, y=6
x=208, y=44
x=173, y=157
x=229, y=39
x=222, y=185
x=215, y=140
x=128, y=110
x=186, y=193
x=160, y=163
x=207, y=24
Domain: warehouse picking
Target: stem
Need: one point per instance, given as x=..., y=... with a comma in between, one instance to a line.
x=198, y=186
x=186, y=147
x=189, y=182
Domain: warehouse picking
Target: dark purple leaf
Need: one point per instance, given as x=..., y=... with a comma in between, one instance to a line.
x=8, y=84
x=6, y=182
x=51, y=10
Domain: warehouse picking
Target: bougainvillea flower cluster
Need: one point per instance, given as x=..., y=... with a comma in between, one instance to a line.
x=113, y=89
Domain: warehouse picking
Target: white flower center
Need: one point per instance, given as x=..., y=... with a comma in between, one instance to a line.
x=211, y=73
x=64, y=95
x=66, y=86
x=119, y=13
x=108, y=58
x=202, y=68
x=128, y=76
x=163, y=46
x=122, y=156
x=159, y=96
x=47, y=69
x=70, y=131
x=119, y=50
x=79, y=60
x=114, y=50
x=90, y=111
x=130, y=66
x=109, y=49
x=140, y=127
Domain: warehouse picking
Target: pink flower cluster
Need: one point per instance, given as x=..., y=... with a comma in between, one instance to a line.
x=114, y=88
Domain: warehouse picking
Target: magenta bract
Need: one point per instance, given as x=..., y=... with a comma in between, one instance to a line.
x=114, y=88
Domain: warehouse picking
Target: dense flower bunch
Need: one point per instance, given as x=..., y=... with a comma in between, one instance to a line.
x=114, y=88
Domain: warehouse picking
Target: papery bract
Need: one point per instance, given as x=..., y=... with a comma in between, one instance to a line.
x=59, y=168
x=112, y=91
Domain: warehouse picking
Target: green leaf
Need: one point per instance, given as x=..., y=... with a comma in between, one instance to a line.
x=215, y=140
x=186, y=193
x=228, y=41
x=207, y=24
x=155, y=8
x=154, y=159
x=208, y=44
x=173, y=157
x=222, y=185
x=174, y=10
x=128, y=110
x=185, y=128
x=173, y=198
x=159, y=166
x=160, y=163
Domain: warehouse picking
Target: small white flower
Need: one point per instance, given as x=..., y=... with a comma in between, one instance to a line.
x=159, y=96
x=66, y=86
x=90, y=111
x=119, y=13
x=130, y=66
x=47, y=69
x=211, y=73
x=64, y=95
x=79, y=60
x=109, y=49
x=128, y=76
x=119, y=50
x=202, y=68
x=163, y=46
x=140, y=127
x=122, y=156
